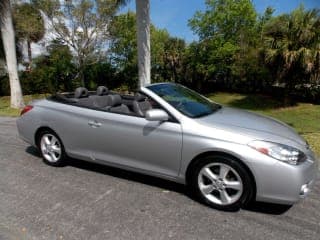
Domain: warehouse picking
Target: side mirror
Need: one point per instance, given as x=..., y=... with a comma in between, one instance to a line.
x=156, y=115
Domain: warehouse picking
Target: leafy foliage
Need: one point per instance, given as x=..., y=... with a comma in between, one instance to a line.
x=29, y=25
x=230, y=20
x=56, y=72
x=82, y=26
x=102, y=73
x=238, y=49
x=166, y=52
x=52, y=73
x=292, y=46
x=123, y=48
x=226, y=31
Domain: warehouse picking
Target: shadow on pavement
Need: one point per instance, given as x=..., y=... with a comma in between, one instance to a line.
x=127, y=175
x=266, y=208
x=118, y=173
x=33, y=151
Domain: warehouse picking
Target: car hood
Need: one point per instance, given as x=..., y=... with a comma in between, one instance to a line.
x=249, y=123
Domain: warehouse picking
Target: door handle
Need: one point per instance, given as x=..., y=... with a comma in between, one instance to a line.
x=94, y=124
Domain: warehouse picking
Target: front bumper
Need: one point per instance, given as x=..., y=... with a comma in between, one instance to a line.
x=286, y=183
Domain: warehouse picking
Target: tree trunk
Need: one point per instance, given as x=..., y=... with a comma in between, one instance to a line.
x=29, y=55
x=9, y=46
x=143, y=38
x=287, y=96
x=81, y=74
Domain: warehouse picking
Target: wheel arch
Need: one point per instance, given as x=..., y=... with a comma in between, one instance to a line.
x=39, y=131
x=197, y=158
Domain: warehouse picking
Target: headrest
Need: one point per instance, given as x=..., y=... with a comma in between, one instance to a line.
x=102, y=90
x=114, y=100
x=139, y=97
x=81, y=92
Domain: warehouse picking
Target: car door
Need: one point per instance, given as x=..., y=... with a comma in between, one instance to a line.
x=136, y=143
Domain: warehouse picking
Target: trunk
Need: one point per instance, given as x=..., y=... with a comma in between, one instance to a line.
x=29, y=55
x=9, y=46
x=287, y=98
x=143, y=38
x=174, y=71
x=289, y=88
x=81, y=77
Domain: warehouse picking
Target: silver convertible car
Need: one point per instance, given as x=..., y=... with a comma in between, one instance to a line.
x=227, y=157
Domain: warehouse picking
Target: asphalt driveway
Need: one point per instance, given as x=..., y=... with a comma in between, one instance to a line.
x=89, y=201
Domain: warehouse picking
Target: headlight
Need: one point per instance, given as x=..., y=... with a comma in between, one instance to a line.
x=279, y=151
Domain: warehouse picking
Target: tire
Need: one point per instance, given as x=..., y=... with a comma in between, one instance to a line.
x=51, y=148
x=221, y=182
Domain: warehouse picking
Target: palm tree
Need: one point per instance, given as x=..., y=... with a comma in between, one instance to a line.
x=29, y=26
x=143, y=38
x=7, y=33
x=292, y=46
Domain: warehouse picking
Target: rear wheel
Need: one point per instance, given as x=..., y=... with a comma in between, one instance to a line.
x=221, y=182
x=51, y=148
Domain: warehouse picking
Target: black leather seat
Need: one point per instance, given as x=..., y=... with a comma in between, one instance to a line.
x=101, y=99
x=115, y=104
x=102, y=90
x=81, y=92
x=140, y=104
x=82, y=96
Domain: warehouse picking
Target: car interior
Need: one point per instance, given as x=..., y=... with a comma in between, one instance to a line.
x=106, y=100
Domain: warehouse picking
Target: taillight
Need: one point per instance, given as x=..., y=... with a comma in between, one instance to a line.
x=26, y=109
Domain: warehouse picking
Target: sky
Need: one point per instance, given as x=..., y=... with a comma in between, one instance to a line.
x=174, y=14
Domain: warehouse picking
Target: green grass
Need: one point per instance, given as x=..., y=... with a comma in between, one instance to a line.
x=6, y=110
x=304, y=117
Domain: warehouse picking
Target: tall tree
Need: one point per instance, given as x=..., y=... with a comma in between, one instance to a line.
x=226, y=30
x=7, y=33
x=123, y=47
x=231, y=20
x=143, y=39
x=172, y=54
x=82, y=25
x=292, y=46
x=263, y=20
x=52, y=72
x=29, y=26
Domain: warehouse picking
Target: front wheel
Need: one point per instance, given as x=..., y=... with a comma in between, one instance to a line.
x=221, y=182
x=51, y=149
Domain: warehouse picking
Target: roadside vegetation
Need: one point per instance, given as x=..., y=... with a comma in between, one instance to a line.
x=7, y=111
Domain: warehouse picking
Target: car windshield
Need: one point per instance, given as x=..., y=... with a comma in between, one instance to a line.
x=185, y=100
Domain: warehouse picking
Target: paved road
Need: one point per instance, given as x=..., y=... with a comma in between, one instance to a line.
x=89, y=201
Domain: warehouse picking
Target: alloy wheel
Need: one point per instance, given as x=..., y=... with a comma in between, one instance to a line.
x=220, y=184
x=50, y=148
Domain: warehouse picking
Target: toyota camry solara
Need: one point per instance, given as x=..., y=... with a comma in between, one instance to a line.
x=227, y=157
